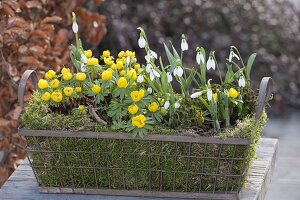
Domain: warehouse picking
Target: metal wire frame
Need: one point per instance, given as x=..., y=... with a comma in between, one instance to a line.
x=206, y=183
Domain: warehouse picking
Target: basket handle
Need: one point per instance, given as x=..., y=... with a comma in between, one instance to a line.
x=22, y=85
x=265, y=92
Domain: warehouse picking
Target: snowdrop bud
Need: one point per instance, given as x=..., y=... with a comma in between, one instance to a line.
x=166, y=105
x=75, y=27
x=149, y=90
x=209, y=94
x=177, y=104
x=184, y=44
x=169, y=77
x=211, y=63
x=178, y=71
x=196, y=95
x=140, y=78
x=142, y=42
x=242, y=82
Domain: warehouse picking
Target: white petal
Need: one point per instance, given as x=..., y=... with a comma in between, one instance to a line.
x=230, y=56
x=151, y=76
x=140, y=78
x=177, y=104
x=178, y=71
x=148, y=57
x=156, y=73
x=184, y=45
x=209, y=94
x=127, y=60
x=153, y=54
x=83, y=68
x=210, y=63
x=142, y=42
x=196, y=95
x=242, y=82
x=148, y=68
x=75, y=27
x=83, y=58
x=149, y=90
x=166, y=105
x=169, y=77
x=236, y=56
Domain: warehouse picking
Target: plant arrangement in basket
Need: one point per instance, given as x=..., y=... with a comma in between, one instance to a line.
x=118, y=93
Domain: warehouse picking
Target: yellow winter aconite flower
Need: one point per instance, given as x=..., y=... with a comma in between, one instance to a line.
x=50, y=74
x=65, y=70
x=96, y=89
x=92, y=61
x=132, y=74
x=121, y=54
x=113, y=66
x=80, y=76
x=56, y=96
x=233, y=93
x=137, y=66
x=67, y=76
x=215, y=96
x=138, y=121
x=122, y=72
x=54, y=83
x=68, y=91
x=106, y=53
x=120, y=65
x=153, y=107
x=108, y=61
x=43, y=84
x=81, y=107
x=78, y=89
x=88, y=53
x=122, y=83
x=46, y=96
x=106, y=75
x=137, y=95
x=132, y=109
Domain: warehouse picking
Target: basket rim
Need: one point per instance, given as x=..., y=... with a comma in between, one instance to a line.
x=126, y=136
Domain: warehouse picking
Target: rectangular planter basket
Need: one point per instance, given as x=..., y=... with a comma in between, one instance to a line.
x=157, y=165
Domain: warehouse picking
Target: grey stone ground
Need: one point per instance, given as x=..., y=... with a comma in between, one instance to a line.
x=285, y=182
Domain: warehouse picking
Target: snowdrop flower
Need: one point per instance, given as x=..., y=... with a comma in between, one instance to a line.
x=83, y=58
x=127, y=60
x=153, y=54
x=166, y=105
x=209, y=94
x=199, y=58
x=211, y=63
x=196, y=95
x=140, y=78
x=178, y=71
x=142, y=42
x=177, y=104
x=169, y=77
x=153, y=73
x=233, y=55
x=147, y=58
x=75, y=27
x=242, y=82
x=149, y=90
x=148, y=68
x=184, y=44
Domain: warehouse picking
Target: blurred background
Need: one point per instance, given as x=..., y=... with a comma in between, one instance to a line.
x=36, y=34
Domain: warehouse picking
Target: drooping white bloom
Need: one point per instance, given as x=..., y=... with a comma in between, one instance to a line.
x=127, y=60
x=209, y=94
x=178, y=71
x=153, y=54
x=166, y=105
x=233, y=55
x=140, y=78
x=83, y=68
x=196, y=95
x=147, y=58
x=83, y=58
x=75, y=27
x=184, y=45
x=169, y=77
x=199, y=58
x=242, y=82
x=153, y=73
x=142, y=42
x=210, y=63
x=149, y=90
x=177, y=104
x=148, y=68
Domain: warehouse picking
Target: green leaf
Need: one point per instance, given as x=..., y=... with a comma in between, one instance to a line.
x=170, y=57
x=249, y=65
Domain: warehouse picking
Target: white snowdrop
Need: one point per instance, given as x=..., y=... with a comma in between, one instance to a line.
x=147, y=58
x=169, y=77
x=177, y=104
x=242, y=82
x=178, y=71
x=140, y=78
x=184, y=45
x=153, y=54
x=199, y=58
x=166, y=105
x=75, y=27
x=149, y=90
x=142, y=42
x=209, y=94
x=196, y=95
x=210, y=63
x=233, y=55
x=83, y=58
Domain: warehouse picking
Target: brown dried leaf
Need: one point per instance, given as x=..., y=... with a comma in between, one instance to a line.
x=30, y=60
x=33, y=4
x=53, y=19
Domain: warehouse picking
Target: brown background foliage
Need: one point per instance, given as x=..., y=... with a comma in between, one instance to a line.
x=35, y=35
